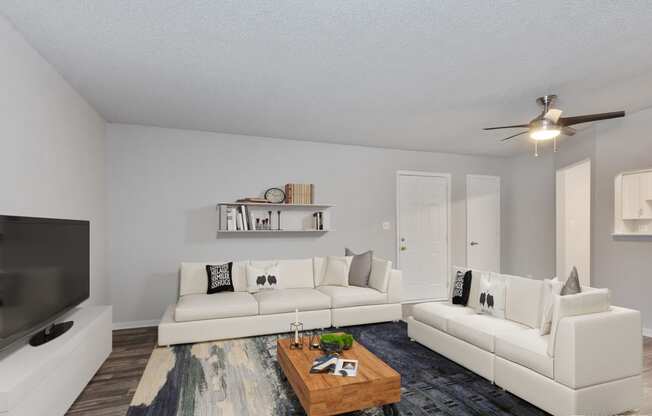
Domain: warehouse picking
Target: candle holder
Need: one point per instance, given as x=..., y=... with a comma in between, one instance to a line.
x=296, y=343
x=314, y=339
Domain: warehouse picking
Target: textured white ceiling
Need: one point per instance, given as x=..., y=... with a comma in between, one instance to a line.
x=424, y=75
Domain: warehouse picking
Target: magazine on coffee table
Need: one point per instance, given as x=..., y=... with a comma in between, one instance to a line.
x=324, y=364
x=346, y=368
x=331, y=364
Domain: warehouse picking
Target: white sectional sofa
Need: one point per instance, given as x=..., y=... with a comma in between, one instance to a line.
x=198, y=317
x=595, y=368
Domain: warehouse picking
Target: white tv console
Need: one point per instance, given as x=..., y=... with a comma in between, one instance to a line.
x=46, y=380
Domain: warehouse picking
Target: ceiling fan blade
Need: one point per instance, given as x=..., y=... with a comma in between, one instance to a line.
x=506, y=127
x=514, y=135
x=553, y=115
x=568, y=131
x=569, y=121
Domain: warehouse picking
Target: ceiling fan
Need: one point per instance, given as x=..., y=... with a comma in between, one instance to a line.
x=550, y=124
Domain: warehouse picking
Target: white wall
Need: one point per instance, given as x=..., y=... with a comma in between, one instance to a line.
x=163, y=185
x=528, y=227
x=622, y=264
x=51, y=148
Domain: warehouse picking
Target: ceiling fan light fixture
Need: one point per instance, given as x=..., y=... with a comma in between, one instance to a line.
x=543, y=130
x=544, y=134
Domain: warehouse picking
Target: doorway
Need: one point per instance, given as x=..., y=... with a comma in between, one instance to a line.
x=423, y=230
x=483, y=222
x=573, y=200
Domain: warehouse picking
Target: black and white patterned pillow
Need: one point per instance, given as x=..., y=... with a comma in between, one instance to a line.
x=220, y=277
x=461, y=287
x=259, y=278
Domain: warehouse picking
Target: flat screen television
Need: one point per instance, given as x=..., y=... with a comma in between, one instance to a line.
x=44, y=272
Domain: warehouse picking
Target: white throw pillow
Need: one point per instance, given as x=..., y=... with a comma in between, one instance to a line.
x=491, y=296
x=337, y=271
x=551, y=287
x=262, y=278
x=379, y=277
x=583, y=303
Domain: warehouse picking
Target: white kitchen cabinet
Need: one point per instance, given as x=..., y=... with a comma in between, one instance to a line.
x=636, y=195
x=633, y=204
x=646, y=188
x=631, y=196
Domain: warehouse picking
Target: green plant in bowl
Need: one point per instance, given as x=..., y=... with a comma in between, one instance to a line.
x=347, y=340
x=336, y=342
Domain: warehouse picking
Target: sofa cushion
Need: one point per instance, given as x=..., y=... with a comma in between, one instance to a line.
x=436, y=314
x=193, y=278
x=379, y=277
x=287, y=300
x=344, y=297
x=296, y=273
x=523, y=300
x=493, y=290
x=527, y=348
x=474, y=294
x=337, y=271
x=267, y=278
x=360, y=267
x=479, y=330
x=318, y=269
x=197, y=307
x=598, y=300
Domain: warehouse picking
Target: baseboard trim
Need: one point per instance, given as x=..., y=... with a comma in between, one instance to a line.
x=134, y=324
x=647, y=332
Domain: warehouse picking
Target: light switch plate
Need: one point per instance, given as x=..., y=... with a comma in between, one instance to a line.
x=387, y=225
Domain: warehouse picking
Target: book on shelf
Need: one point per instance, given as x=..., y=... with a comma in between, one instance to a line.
x=299, y=193
x=256, y=200
x=288, y=194
x=230, y=219
x=239, y=225
x=252, y=220
x=245, y=218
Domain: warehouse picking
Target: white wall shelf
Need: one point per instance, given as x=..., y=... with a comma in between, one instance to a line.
x=632, y=234
x=270, y=231
x=295, y=218
x=270, y=205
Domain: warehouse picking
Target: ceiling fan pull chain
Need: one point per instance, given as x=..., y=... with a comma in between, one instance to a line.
x=555, y=144
x=536, y=149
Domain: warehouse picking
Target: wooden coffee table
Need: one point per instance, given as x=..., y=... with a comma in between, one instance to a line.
x=376, y=383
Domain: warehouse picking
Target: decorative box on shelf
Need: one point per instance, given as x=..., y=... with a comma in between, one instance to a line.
x=259, y=218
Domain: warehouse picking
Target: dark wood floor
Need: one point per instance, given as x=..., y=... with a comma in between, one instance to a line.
x=111, y=389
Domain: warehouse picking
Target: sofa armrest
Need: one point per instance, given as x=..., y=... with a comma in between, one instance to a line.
x=394, y=286
x=598, y=347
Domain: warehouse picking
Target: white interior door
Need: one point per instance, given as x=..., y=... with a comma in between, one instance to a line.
x=423, y=228
x=574, y=221
x=483, y=222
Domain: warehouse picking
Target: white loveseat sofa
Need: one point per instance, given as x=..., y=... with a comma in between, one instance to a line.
x=198, y=317
x=595, y=368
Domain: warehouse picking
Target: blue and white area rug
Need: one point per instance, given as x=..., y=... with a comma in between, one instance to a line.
x=242, y=378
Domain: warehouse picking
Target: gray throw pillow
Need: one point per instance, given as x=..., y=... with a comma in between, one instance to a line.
x=572, y=285
x=360, y=268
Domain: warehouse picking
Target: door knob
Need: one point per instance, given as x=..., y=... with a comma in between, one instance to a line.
x=474, y=243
